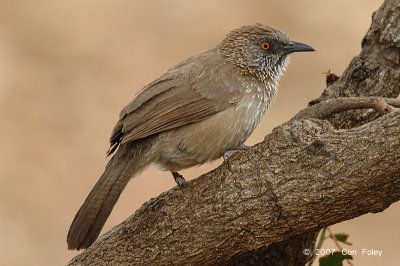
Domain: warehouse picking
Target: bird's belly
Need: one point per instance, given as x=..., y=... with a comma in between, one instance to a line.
x=207, y=140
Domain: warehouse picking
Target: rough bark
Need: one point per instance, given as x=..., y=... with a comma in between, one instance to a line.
x=308, y=175
x=305, y=175
x=375, y=72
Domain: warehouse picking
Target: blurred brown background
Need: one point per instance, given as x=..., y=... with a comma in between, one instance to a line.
x=68, y=67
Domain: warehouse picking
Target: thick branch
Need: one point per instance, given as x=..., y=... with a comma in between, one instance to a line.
x=329, y=107
x=376, y=71
x=304, y=176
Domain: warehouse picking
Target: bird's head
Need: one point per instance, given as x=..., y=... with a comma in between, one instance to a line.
x=260, y=50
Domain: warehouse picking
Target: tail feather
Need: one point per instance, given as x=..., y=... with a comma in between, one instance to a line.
x=130, y=159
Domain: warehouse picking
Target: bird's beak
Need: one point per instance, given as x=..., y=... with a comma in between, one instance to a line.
x=297, y=47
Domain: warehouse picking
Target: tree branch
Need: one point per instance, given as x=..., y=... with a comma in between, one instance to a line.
x=326, y=108
x=304, y=176
x=375, y=72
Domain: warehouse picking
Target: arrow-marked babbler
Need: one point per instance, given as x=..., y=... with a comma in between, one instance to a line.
x=196, y=112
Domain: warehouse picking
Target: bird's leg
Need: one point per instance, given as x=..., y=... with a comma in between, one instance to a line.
x=179, y=179
x=229, y=153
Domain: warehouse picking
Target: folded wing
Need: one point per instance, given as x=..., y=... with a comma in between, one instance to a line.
x=184, y=94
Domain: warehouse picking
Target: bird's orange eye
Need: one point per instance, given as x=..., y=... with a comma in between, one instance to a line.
x=265, y=45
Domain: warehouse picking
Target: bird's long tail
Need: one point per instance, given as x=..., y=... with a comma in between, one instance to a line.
x=129, y=160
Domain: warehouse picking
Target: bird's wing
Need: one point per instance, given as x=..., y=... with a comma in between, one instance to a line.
x=184, y=94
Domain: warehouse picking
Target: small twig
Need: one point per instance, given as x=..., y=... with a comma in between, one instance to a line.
x=334, y=238
x=318, y=246
x=330, y=77
x=326, y=108
x=337, y=242
x=383, y=107
x=321, y=239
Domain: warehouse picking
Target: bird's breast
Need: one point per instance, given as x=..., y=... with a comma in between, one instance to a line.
x=207, y=140
x=253, y=107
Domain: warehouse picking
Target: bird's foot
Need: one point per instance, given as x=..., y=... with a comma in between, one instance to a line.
x=179, y=179
x=229, y=153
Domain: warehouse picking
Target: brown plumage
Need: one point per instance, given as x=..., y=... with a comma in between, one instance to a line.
x=196, y=111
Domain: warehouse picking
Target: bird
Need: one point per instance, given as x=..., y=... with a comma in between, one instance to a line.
x=197, y=111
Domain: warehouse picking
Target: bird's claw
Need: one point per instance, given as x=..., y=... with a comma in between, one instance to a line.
x=179, y=179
